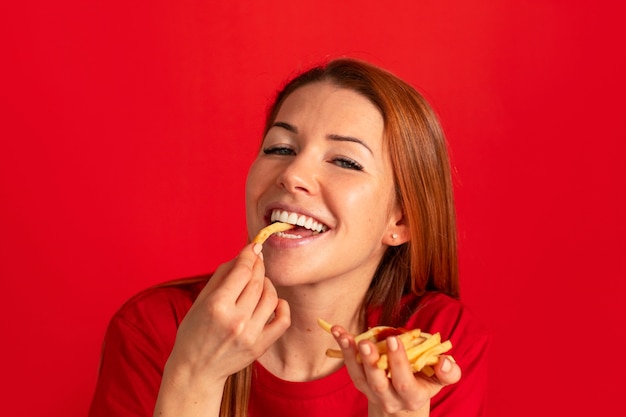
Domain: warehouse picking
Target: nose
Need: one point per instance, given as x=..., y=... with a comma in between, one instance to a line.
x=299, y=175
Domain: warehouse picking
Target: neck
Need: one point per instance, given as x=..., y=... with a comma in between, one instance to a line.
x=299, y=354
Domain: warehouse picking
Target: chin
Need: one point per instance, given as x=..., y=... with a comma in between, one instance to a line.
x=284, y=274
x=280, y=275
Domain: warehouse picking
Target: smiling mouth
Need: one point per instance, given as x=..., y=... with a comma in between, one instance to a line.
x=304, y=222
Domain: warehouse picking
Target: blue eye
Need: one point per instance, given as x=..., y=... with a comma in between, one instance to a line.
x=278, y=150
x=348, y=163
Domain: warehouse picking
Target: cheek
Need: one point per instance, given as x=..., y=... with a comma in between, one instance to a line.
x=253, y=189
x=372, y=195
x=371, y=204
x=254, y=181
x=366, y=203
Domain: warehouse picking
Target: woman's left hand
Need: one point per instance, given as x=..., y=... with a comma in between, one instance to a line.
x=403, y=391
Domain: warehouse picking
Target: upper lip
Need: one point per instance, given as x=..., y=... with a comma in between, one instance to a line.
x=296, y=216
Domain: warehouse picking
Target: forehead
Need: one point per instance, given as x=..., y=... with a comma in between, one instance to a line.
x=332, y=107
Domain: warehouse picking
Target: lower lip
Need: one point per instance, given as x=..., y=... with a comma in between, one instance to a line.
x=285, y=243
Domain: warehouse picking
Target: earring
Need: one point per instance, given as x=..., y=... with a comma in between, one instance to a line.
x=394, y=236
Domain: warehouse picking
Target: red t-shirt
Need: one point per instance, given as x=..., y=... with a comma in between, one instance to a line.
x=141, y=336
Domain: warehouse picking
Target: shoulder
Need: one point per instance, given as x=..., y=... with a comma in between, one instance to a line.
x=168, y=293
x=161, y=307
x=436, y=312
x=137, y=343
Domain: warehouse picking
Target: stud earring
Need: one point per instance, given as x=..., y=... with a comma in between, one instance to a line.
x=394, y=236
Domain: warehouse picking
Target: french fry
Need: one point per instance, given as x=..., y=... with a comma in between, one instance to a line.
x=371, y=333
x=431, y=356
x=428, y=371
x=334, y=353
x=407, y=339
x=416, y=351
x=267, y=231
x=422, y=349
x=324, y=325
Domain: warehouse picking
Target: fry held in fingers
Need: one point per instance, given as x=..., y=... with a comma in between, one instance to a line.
x=422, y=349
x=266, y=232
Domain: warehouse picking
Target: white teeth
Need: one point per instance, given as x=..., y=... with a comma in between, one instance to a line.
x=288, y=236
x=292, y=219
x=299, y=220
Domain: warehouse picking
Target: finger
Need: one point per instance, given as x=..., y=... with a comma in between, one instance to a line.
x=347, y=345
x=254, y=288
x=349, y=352
x=280, y=322
x=399, y=366
x=216, y=279
x=402, y=378
x=265, y=304
x=367, y=378
x=233, y=282
x=377, y=380
x=447, y=370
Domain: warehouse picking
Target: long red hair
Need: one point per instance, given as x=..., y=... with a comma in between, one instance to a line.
x=423, y=185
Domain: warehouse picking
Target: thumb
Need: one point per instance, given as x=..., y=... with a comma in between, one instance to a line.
x=447, y=370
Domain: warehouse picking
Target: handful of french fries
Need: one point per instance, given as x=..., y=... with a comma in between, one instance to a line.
x=422, y=349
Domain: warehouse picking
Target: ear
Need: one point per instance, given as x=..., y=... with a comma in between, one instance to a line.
x=398, y=230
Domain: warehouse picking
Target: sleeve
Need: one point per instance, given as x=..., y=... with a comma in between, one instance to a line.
x=130, y=373
x=468, y=397
x=136, y=346
x=470, y=341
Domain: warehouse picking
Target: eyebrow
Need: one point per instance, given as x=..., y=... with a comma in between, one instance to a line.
x=339, y=138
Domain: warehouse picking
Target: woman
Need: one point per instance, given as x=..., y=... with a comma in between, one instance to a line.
x=356, y=157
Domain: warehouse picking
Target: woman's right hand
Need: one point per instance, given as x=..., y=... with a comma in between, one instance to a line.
x=234, y=320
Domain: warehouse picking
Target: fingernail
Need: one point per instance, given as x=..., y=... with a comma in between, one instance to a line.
x=257, y=248
x=392, y=344
x=446, y=365
x=365, y=349
x=344, y=343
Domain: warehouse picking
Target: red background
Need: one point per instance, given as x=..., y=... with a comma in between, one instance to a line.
x=127, y=129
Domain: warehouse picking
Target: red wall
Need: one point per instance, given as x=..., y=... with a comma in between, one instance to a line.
x=127, y=128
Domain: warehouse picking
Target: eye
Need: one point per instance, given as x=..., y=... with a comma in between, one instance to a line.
x=344, y=162
x=278, y=150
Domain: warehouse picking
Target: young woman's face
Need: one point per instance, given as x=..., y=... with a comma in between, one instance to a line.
x=324, y=167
